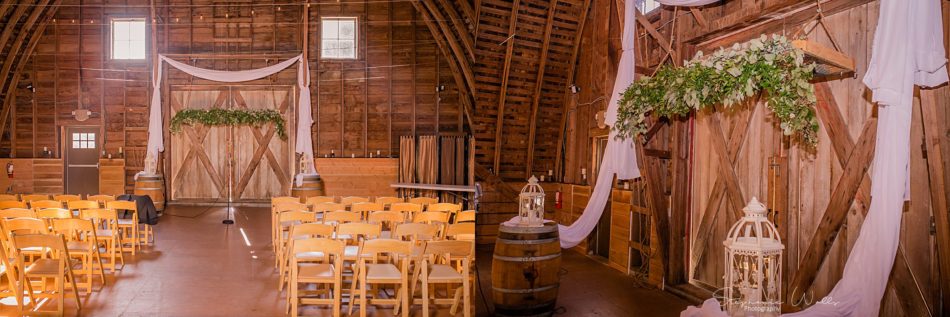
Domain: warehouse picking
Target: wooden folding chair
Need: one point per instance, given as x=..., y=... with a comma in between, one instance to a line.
x=31, y=197
x=424, y=201
x=7, y=204
x=465, y=216
x=415, y=232
x=322, y=208
x=285, y=220
x=83, y=244
x=22, y=226
x=297, y=232
x=353, y=233
x=447, y=262
x=101, y=199
x=350, y=200
x=374, y=271
x=365, y=208
x=386, y=201
x=9, y=270
x=279, y=205
x=53, y=264
x=43, y=204
x=432, y=217
x=327, y=271
x=78, y=205
x=460, y=231
x=283, y=199
x=389, y=220
x=16, y=213
x=135, y=233
x=65, y=198
x=339, y=217
x=407, y=209
x=49, y=214
x=107, y=233
x=6, y=197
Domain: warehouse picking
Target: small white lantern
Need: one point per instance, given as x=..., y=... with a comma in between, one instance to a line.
x=753, y=265
x=531, y=204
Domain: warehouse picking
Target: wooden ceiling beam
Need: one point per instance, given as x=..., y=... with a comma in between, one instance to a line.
x=566, y=107
x=12, y=25
x=5, y=7
x=698, y=15
x=460, y=27
x=25, y=55
x=538, y=82
x=664, y=43
x=445, y=37
x=499, y=123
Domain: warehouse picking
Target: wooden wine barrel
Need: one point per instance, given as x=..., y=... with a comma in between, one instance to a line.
x=311, y=186
x=525, y=270
x=152, y=186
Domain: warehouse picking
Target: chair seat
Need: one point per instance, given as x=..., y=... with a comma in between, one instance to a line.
x=44, y=267
x=127, y=222
x=442, y=272
x=78, y=246
x=382, y=272
x=350, y=253
x=314, y=272
x=386, y=234
x=104, y=233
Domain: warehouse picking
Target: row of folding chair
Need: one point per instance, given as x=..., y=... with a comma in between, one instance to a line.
x=56, y=197
x=378, y=263
x=349, y=200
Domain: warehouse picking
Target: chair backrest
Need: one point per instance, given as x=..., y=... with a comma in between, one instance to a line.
x=321, y=245
x=406, y=207
x=367, y=207
x=79, y=229
x=5, y=197
x=341, y=217
x=32, y=197
x=311, y=230
x=283, y=199
x=353, y=199
x=101, y=215
x=416, y=231
x=54, y=213
x=451, y=249
x=388, y=200
x=424, y=200
x=465, y=216
x=460, y=231
x=17, y=213
x=102, y=199
x=373, y=248
x=431, y=217
x=66, y=198
x=303, y=216
x=12, y=204
x=122, y=205
x=25, y=226
x=320, y=199
x=327, y=207
x=82, y=204
x=285, y=206
x=390, y=217
x=446, y=207
x=53, y=242
x=359, y=229
x=43, y=204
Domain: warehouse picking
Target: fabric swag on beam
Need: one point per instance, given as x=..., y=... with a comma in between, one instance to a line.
x=303, y=145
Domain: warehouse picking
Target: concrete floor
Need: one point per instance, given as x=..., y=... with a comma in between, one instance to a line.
x=197, y=267
x=590, y=288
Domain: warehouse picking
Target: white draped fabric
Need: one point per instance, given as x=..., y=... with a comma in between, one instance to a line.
x=908, y=50
x=303, y=145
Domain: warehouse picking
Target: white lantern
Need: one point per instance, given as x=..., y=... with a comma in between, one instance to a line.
x=753, y=265
x=531, y=204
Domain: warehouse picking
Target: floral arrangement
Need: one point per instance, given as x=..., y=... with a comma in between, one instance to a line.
x=219, y=117
x=727, y=77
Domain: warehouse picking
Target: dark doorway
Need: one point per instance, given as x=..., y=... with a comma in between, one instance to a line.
x=82, y=160
x=599, y=240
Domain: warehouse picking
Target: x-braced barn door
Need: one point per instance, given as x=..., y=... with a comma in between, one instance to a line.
x=252, y=163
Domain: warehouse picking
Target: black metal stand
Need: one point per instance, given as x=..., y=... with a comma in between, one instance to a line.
x=227, y=212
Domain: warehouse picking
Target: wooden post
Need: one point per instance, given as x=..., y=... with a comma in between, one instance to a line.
x=499, y=123
x=936, y=165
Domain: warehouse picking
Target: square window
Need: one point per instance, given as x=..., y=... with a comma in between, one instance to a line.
x=128, y=38
x=338, y=38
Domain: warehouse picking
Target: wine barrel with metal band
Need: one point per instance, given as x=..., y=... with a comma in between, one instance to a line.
x=525, y=269
x=312, y=185
x=152, y=186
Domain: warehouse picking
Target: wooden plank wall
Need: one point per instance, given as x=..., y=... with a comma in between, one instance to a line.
x=33, y=176
x=813, y=174
x=367, y=177
x=360, y=106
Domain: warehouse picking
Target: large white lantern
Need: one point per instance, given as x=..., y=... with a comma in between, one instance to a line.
x=531, y=204
x=753, y=265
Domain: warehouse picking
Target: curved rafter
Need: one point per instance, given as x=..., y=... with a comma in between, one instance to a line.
x=18, y=54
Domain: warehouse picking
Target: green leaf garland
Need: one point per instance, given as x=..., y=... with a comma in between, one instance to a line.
x=770, y=65
x=232, y=117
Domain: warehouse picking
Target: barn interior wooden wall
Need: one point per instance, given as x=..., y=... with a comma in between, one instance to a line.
x=400, y=84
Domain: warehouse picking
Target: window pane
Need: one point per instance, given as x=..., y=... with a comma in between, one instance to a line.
x=75, y=136
x=76, y=144
x=120, y=31
x=330, y=29
x=347, y=29
x=91, y=137
x=128, y=39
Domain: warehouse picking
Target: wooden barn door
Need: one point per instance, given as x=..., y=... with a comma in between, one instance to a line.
x=252, y=162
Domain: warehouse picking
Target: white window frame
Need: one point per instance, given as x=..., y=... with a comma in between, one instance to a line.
x=112, y=39
x=356, y=37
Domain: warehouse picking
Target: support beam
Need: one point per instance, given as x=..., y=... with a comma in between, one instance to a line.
x=664, y=43
x=14, y=52
x=499, y=123
x=445, y=37
x=459, y=24
x=936, y=166
x=538, y=82
x=466, y=87
x=700, y=19
x=559, y=157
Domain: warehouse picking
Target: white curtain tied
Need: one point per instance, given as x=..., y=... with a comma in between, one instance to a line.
x=304, y=144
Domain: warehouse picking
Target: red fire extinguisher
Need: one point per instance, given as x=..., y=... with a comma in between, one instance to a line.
x=9, y=170
x=558, y=200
